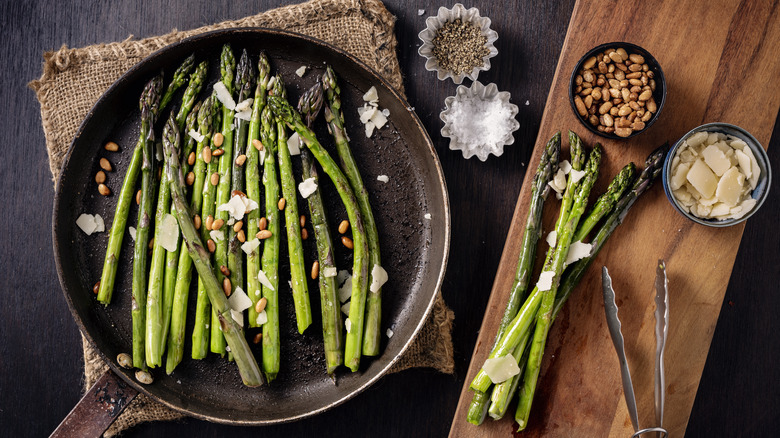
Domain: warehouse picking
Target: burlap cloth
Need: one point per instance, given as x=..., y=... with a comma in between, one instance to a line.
x=73, y=80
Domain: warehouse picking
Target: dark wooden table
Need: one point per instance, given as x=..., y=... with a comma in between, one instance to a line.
x=41, y=369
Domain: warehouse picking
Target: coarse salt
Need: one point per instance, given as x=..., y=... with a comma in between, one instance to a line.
x=479, y=122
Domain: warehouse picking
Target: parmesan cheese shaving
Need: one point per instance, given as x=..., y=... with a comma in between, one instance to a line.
x=552, y=238
x=262, y=318
x=244, y=115
x=500, y=369
x=427, y=216
x=383, y=178
x=378, y=278
x=100, y=226
x=301, y=71
x=577, y=251
x=576, y=175
x=196, y=136
x=245, y=105
x=263, y=279
x=131, y=230
x=293, y=144
x=329, y=271
x=250, y=245
x=87, y=223
x=345, y=308
x=345, y=291
x=217, y=235
x=545, y=281
x=238, y=317
x=223, y=95
x=342, y=276
x=239, y=301
x=389, y=333
x=168, y=234
x=565, y=166
x=348, y=325
x=307, y=187
x=371, y=94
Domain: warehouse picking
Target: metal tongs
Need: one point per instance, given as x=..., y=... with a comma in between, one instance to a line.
x=661, y=329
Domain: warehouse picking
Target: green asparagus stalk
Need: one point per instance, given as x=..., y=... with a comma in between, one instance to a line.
x=190, y=94
x=300, y=288
x=154, y=297
x=184, y=273
x=335, y=118
x=150, y=99
x=150, y=96
x=253, y=185
x=309, y=105
x=227, y=68
x=247, y=366
x=544, y=315
x=354, y=323
x=270, y=259
x=606, y=202
x=179, y=78
x=201, y=331
x=548, y=163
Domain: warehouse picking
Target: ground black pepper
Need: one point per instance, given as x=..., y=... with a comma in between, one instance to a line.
x=459, y=46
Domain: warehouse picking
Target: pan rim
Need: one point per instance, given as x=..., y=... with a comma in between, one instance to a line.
x=375, y=77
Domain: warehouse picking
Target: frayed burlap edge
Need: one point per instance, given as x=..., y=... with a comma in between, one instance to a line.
x=431, y=348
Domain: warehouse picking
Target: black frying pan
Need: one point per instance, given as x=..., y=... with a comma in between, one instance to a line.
x=414, y=249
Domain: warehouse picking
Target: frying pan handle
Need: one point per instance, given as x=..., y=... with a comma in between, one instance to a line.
x=99, y=407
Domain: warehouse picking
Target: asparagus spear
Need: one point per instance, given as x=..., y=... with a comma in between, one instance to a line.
x=544, y=315
x=607, y=201
x=244, y=83
x=548, y=163
x=335, y=119
x=253, y=185
x=270, y=259
x=247, y=366
x=179, y=78
x=201, y=332
x=184, y=273
x=309, y=105
x=150, y=99
x=354, y=323
x=154, y=298
x=227, y=67
x=300, y=288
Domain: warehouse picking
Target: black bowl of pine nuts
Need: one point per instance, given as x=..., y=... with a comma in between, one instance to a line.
x=617, y=90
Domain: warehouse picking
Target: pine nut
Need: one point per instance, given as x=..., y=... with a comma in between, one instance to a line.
x=281, y=203
x=224, y=270
x=226, y=287
x=260, y=305
x=589, y=63
x=144, y=377
x=315, y=270
x=257, y=144
x=217, y=224
x=347, y=242
x=104, y=190
x=304, y=234
x=206, y=154
x=343, y=226
x=237, y=226
x=262, y=224
x=190, y=180
x=218, y=139
x=191, y=158
x=211, y=245
x=241, y=236
x=151, y=243
x=240, y=160
x=215, y=178
x=218, y=152
x=263, y=234
x=302, y=221
x=209, y=222
x=258, y=337
x=100, y=177
x=237, y=193
x=196, y=221
x=138, y=197
x=96, y=288
x=111, y=146
x=581, y=110
x=105, y=165
x=124, y=360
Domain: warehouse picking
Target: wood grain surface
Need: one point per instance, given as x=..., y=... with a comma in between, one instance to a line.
x=41, y=368
x=579, y=392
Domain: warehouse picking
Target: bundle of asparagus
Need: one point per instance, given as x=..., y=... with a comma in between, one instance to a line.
x=220, y=147
x=523, y=329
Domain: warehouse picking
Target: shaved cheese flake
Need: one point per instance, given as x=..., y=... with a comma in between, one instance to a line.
x=87, y=223
x=307, y=187
x=301, y=71
x=545, y=281
x=168, y=234
x=348, y=325
x=244, y=115
x=329, y=271
x=217, y=235
x=427, y=216
x=389, y=333
x=576, y=175
x=131, y=230
x=500, y=369
x=558, y=183
x=245, y=105
x=386, y=112
x=378, y=278
x=100, y=226
x=238, y=317
x=345, y=291
x=367, y=113
x=378, y=119
x=342, y=276
x=577, y=251
x=263, y=279
x=565, y=166
x=239, y=301
x=294, y=144
x=235, y=207
x=744, y=163
x=250, y=245
x=552, y=238
x=196, y=136
x=223, y=95
x=345, y=308
x=262, y=318
x=249, y=204
x=383, y=178
x=369, y=129
x=371, y=94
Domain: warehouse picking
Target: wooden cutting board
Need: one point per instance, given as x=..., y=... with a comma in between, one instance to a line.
x=722, y=63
